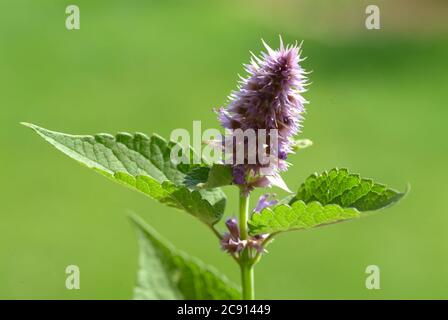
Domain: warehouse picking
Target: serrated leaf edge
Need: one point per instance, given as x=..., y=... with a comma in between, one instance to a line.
x=288, y=206
x=399, y=195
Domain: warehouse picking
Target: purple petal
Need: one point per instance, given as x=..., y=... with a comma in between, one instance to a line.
x=232, y=225
x=264, y=203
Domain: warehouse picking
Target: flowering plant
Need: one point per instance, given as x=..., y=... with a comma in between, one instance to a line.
x=261, y=120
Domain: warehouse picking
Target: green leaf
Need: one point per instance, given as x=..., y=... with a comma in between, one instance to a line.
x=166, y=273
x=330, y=197
x=297, y=216
x=142, y=163
x=340, y=187
x=220, y=175
x=197, y=177
x=205, y=177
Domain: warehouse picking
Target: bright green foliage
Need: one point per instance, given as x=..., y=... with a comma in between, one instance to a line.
x=340, y=187
x=144, y=164
x=166, y=273
x=330, y=197
x=299, y=215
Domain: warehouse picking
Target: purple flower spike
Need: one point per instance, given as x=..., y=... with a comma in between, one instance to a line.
x=269, y=98
x=264, y=203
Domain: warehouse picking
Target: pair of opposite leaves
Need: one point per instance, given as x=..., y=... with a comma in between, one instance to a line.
x=143, y=163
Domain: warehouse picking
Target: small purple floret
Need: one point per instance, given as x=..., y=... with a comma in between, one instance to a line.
x=231, y=241
x=263, y=202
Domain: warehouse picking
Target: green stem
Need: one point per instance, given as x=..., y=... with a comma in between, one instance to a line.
x=247, y=281
x=247, y=270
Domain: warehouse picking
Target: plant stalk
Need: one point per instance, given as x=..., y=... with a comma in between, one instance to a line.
x=246, y=265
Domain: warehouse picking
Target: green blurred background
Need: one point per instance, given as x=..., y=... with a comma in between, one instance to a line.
x=378, y=107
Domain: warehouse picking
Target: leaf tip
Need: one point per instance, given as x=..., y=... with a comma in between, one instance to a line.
x=27, y=124
x=145, y=229
x=136, y=220
x=406, y=191
x=401, y=195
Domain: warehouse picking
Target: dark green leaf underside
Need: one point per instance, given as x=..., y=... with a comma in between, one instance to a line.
x=210, y=177
x=166, y=273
